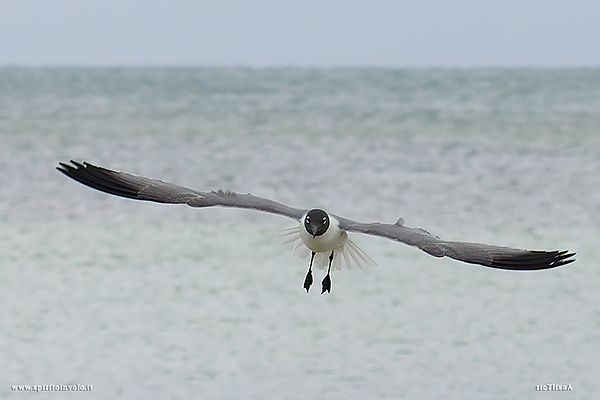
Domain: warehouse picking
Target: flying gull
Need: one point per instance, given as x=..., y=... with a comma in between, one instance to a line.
x=320, y=235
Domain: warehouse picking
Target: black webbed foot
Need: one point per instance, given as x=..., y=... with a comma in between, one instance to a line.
x=327, y=280
x=308, y=281
x=326, y=284
x=309, y=278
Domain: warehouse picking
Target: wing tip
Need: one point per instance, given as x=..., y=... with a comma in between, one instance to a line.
x=98, y=178
x=563, y=258
x=64, y=167
x=536, y=260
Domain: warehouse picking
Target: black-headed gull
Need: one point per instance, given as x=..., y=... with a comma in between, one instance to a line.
x=320, y=235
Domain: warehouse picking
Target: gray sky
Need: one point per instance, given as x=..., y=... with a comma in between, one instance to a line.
x=304, y=33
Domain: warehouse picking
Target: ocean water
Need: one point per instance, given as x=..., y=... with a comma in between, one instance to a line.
x=145, y=300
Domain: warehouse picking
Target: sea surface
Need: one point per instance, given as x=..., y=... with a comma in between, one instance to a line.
x=153, y=301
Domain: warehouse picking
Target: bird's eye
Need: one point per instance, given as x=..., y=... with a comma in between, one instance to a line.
x=324, y=219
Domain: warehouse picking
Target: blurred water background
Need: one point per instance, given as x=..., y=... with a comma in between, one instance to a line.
x=153, y=301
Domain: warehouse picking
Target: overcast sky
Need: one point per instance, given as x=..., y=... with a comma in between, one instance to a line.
x=464, y=33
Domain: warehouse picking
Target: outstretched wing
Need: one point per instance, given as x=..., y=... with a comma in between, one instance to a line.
x=474, y=253
x=142, y=188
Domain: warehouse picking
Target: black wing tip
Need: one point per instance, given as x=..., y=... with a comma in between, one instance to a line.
x=98, y=178
x=75, y=169
x=69, y=169
x=536, y=260
x=64, y=167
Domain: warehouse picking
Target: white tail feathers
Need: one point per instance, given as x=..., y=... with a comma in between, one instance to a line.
x=349, y=255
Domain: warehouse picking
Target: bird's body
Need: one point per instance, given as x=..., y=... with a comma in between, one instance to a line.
x=320, y=235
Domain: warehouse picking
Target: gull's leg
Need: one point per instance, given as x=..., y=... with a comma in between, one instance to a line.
x=327, y=280
x=309, y=278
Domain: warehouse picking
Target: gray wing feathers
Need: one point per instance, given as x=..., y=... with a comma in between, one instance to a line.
x=412, y=236
x=231, y=199
x=506, y=257
x=473, y=253
x=142, y=188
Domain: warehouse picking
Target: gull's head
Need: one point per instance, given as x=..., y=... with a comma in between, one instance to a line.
x=316, y=222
